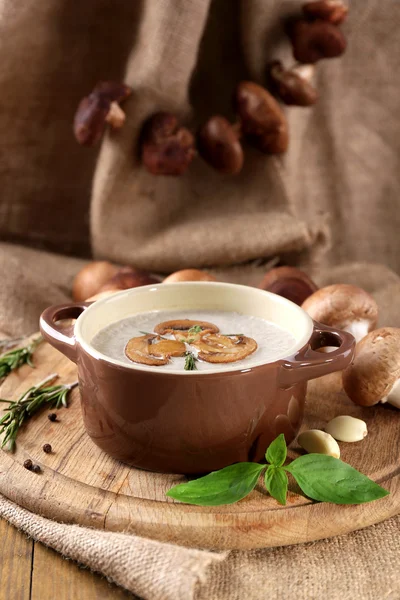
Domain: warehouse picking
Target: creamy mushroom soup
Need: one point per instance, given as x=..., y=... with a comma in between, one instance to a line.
x=201, y=340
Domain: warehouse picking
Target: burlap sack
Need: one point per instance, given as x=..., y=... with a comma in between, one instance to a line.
x=275, y=205
x=336, y=188
x=186, y=55
x=361, y=565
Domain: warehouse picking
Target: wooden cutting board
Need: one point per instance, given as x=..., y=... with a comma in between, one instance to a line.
x=80, y=484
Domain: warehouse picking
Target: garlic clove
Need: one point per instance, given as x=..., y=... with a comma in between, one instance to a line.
x=320, y=442
x=393, y=396
x=347, y=429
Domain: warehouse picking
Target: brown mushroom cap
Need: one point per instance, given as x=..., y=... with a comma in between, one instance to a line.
x=289, y=282
x=91, y=115
x=183, y=325
x=151, y=350
x=167, y=147
x=334, y=11
x=340, y=305
x=91, y=278
x=315, y=40
x=219, y=145
x=376, y=367
x=128, y=277
x=290, y=86
x=217, y=348
x=101, y=295
x=189, y=275
x=263, y=122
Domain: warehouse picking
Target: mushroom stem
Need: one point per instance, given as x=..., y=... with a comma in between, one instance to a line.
x=393, y=396
x=306, y=72
x=116, y=116
x=358, y=329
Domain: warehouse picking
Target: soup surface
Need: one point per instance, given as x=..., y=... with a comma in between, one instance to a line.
x=272, y=340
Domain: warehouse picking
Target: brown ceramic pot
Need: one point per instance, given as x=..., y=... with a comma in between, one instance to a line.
x=188, y=421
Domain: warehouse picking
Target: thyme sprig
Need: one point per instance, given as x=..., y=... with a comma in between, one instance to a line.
x=13, y=359
x=18, y=411
x=190, y=362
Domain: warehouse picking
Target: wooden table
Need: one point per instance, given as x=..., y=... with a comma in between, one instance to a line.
x=30, y=571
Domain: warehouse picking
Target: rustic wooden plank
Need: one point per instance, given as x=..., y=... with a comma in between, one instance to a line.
x=55, y=577
x=15, y=563
x=81, y=484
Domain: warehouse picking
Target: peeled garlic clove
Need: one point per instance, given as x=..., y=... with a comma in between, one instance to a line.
x=347, y=429
x=315, y=440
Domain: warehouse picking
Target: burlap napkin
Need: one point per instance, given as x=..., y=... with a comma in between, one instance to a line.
x=362, y=565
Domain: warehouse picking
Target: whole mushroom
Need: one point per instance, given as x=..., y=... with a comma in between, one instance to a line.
x=102, y=106
x=289, y=282
x=101, y=295
x=344, y=306
x=219, y=145
x=315, y=40
x=167, y=148
x=374, y=375
x=292, y=86
x=189, y=275
x=263, y=122
x=126, y=278
x=91, y=278
x=334, y=11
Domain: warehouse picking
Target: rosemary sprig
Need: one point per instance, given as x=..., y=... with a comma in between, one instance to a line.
x=16, y=358
x=190, y=362
x=192, y=331
x=150, y=333
x=7, y=344
x=232, y=334
x=195, y=329
x=18, y=411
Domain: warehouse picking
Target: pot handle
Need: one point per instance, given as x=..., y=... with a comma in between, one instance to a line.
x=309, y=364
x=62, y=338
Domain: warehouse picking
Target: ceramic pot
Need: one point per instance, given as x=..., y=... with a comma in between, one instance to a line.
x=189, y=421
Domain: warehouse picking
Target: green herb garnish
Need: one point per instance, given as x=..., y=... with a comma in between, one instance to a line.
x=7, y=344
x=319, y=476
x=149, y=333
x=190, y=362
x=16, y=358
x=232, y=334
x=195, y=329
x=18, y=411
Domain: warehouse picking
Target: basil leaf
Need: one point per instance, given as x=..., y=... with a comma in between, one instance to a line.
x=277, y=451
x=226, y=486
x=328, y=479
x=276, y=482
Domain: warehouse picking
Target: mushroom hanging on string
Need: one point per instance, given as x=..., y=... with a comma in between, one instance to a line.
x=102, y=106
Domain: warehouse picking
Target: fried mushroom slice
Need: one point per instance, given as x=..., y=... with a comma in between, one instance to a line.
x=217, y=348
x=152, y=350
x=183, y=325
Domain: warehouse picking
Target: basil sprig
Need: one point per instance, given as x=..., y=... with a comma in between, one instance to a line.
x=319, y=476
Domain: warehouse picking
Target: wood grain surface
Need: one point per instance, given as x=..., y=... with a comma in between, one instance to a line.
x=30, y=571
x=81, y=484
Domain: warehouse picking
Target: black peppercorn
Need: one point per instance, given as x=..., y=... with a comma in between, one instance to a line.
x=28, y=464
x=52, y=417
x=36, y=469
x=47, y=448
